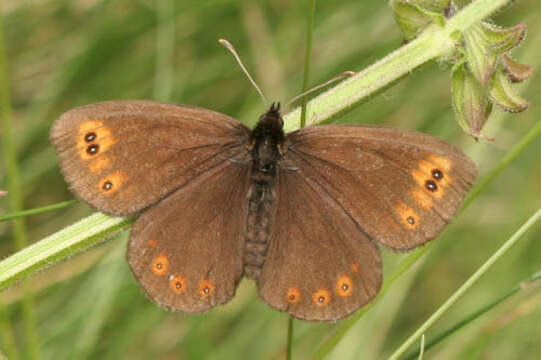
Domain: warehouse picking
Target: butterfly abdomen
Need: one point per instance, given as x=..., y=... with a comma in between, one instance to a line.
x=266, y=139
x=260, y=205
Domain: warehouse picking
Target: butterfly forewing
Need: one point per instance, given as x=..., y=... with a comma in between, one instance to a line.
x=123, y=156
x=186, y=251
x=399, y=187
x=319, y=266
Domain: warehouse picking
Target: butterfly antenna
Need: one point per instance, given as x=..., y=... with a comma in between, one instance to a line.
x=232, y=50
x=339, y=77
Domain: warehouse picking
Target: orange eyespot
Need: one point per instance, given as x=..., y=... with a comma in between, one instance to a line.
x=355, y=267
x=152, y=242
x=433, y=176
x=344, y=286
x=160, y=265
x=293, y=295
x=206, y=288
x=407, y=215
x=112, y=182
x=321, y=297
x=177, y=284
x=93, y=139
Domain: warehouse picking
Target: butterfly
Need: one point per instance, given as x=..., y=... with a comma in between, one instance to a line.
x=303, y=213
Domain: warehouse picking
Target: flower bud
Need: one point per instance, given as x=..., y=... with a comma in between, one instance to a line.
x=470, y=101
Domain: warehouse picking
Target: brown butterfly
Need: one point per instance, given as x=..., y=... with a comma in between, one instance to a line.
x=301, y=213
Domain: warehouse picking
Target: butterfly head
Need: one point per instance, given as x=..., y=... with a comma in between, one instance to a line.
x=267, y=138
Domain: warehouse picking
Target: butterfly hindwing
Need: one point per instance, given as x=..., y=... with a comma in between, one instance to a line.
x=319, y=266
x=123, y=156
x=400, y=187
x=186, y=251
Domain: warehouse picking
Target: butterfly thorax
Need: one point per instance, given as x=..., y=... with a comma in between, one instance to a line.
x=266, y=141
x=266, y=145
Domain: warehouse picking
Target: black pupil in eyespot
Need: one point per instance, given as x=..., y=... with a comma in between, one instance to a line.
x=90, y=137
x=92, y=149
x=431, y=185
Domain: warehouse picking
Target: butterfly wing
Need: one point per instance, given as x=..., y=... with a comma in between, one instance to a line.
x=400, y=187
x=186, y=251
x=123, y=156
x=340, y=190
x=318, y=266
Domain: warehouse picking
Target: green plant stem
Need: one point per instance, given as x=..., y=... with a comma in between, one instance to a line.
x=15, y=198
x=422, y=350
x=308, y=51
x=476, y=314
x=289, y=347
x=467, y=285
x=40, y=210
x=62, y=244
x=434, y=42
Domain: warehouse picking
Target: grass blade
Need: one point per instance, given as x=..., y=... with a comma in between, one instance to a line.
x=469, y=283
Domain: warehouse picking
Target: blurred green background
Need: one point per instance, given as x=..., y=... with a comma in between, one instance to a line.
x=62, y=54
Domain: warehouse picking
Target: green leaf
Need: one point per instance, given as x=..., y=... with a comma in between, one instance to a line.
x=432, y=5
x=503, y=94
x=410, y=18
x=414, y=16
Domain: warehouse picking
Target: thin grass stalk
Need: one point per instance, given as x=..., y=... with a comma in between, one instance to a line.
x=35, y=211
x=467, y=285
x=470, y=318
